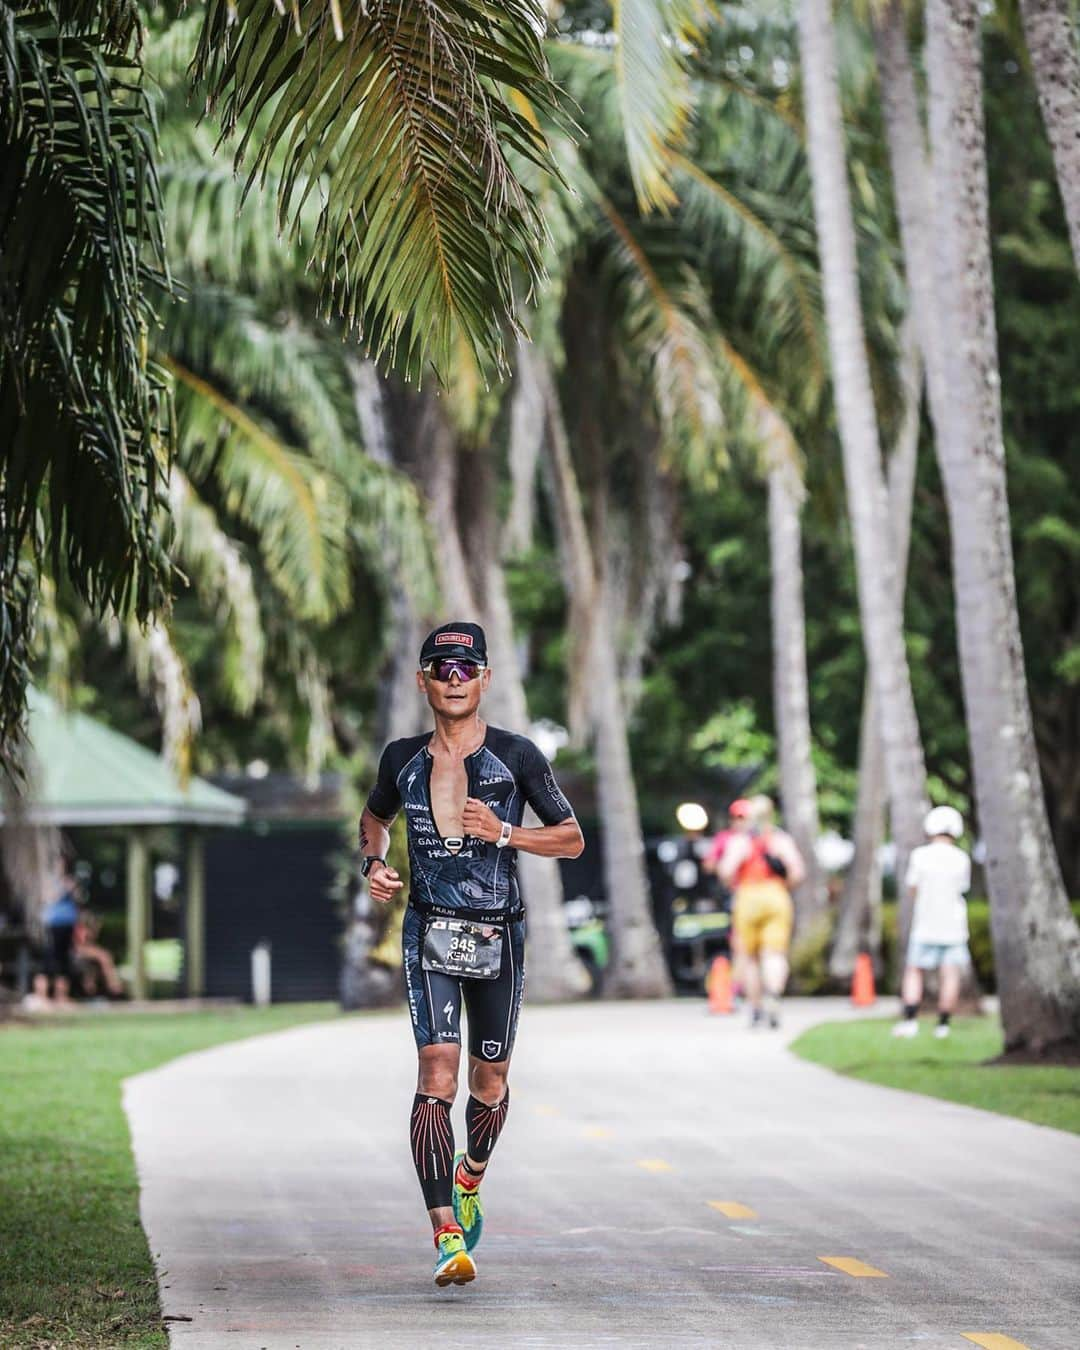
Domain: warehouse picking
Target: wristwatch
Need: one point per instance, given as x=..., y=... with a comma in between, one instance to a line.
x=369, y=863
x=504, y=834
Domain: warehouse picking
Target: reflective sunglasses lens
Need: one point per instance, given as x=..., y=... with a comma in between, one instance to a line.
x=464, y=670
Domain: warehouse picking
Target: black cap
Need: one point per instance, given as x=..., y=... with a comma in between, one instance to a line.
x=463, y=640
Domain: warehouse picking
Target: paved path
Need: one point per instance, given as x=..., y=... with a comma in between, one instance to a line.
x=281, y=1205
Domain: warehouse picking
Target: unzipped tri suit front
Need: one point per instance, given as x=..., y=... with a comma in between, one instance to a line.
x=478, y=882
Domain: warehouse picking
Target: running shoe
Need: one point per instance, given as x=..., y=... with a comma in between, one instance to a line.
x=941, y=1032
x=907, y=1028
x=453, y=1264
x=772, y=1012
x=468, y=1208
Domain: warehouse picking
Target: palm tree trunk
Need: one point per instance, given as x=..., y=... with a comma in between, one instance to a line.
x=638, y=969
x=876, y=571
x=1052, y=44
x=1036, y=939
x=860, y=900
x=402, y=710
x=791, y=687
x=858, y=925
x=555, y=973
x=526, y=443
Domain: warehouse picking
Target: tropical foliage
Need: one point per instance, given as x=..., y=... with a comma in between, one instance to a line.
x=391, y=129
x=652, y=228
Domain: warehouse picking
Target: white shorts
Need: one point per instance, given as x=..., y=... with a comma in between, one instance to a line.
x=931, y=955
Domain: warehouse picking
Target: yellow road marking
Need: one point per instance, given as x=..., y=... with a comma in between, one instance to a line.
x=851, y=1265
x=993, y=1340
x=655, y=1165
x=732, y=1209
x=599, y=1132
x=546, y=1110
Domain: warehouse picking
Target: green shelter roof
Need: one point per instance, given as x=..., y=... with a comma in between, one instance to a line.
x=84, y=773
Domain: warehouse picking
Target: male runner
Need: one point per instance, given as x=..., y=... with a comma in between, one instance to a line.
x=464, y=789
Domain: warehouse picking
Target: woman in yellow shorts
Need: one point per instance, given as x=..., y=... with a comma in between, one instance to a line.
x=762, y=865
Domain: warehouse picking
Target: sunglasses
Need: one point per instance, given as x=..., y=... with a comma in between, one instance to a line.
x=450, y=665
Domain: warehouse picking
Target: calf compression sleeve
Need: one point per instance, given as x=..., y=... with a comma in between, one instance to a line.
x=485, y=1124
x=433, y=1149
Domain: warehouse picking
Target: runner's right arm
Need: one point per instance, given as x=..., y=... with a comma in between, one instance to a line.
x=383, y=804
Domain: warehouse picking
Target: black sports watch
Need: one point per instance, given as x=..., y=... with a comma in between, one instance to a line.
x=369, y=862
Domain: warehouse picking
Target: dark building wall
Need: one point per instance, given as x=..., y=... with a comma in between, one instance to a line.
x=273, y=885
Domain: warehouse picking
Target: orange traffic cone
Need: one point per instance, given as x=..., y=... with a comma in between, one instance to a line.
x=862, y=982
x=719, y=986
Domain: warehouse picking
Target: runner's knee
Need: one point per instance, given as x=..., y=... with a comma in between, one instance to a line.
x=438, y=1073
x=487, y=1082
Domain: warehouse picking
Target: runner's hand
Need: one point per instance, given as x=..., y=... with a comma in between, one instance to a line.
x=383, y=882
x=479, y=820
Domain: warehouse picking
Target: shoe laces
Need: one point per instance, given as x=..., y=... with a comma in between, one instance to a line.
x=449, y=1243
x=469, y=1207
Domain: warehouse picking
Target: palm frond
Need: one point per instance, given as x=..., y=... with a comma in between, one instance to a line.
x=297, y=509
x=82, y=411
x=667, y=326
x=297, y=376
x=784, y=286
x=217, y=232
x=755, y=415
x=116, y=22
x=56, y=641
x=399, y=113
x=217, y=567
x=655, y=90
x=161, y=671
x=17, y=613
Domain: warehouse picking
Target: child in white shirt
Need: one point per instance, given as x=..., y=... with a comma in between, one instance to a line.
x=939, y=877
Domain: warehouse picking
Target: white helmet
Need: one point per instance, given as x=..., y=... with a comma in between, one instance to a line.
x=944, y=820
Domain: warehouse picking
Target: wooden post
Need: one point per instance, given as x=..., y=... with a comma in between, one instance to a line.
x=195, y=916
x=138, y=912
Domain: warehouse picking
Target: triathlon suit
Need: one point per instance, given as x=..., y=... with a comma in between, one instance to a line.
x=478, y=882
x=763, y=913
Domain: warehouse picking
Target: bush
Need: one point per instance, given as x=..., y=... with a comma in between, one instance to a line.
x=810, y=957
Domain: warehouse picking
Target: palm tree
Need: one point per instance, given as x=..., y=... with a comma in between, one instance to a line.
x=273, y=505
x=876, y=568
x=791, y=686
x=858, y=925
x=1051, y=41
x=638, y=969
x=1036, y=938
x=405, y=115
x=401, y=120
x=83, y=413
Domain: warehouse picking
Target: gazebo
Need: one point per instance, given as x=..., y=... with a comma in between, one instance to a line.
x=84, y=773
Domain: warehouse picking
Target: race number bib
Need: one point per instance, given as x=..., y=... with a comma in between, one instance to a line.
x=463, y=948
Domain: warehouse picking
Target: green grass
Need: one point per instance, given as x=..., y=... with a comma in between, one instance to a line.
x=75, y=1268
x=954, y=1069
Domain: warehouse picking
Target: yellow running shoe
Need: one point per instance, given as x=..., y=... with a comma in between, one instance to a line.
x=468, y=1207
x=453, y=1264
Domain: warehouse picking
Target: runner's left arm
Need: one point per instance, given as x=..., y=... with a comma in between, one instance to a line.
x=559, y=836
